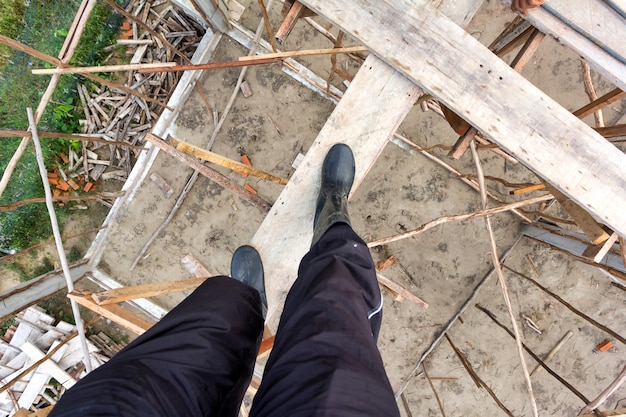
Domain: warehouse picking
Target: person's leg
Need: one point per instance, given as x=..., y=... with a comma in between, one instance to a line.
x=325, y=361
x=196, y=361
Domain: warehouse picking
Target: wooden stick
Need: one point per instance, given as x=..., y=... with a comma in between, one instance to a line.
x=225, y=162
x=62, y=198
x=527, y=189
x=553, y=351
x=606, y=247
x=609, y=413
x=458, y=217
x=527, y=51
x=477, y=380
x=57, y=238
x=591, y=92
x=502, y=281
x=432, y=387
x=594, y=231
x=101, y=68
x=534, y=356
x=569, y=306
x=55, y=61
x=113, y=312
x=211, y=65
x=290, y=22
x=622, y=249
x=209, y=173
x=613, y=386
x=612, y=131
x=268, y=26
x=119, y=295
x=399, y=289
x=10, y=133
x=610, y=97
x=459, y=148
x=306, y=52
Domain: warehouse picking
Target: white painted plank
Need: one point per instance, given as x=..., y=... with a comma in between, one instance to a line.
x=431, y=50
x=611, y=68
x=369, y=112
x=48, y=366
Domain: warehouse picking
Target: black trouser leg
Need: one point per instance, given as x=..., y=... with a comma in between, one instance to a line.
x=325, y=361
x=197, y=361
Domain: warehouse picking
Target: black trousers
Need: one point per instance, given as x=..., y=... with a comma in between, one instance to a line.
x=198, y=360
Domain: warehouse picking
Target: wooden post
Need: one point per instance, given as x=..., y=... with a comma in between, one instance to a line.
x=290, y=22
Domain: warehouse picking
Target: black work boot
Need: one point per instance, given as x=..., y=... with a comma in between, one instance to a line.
x=246, y=266
x=337, y=179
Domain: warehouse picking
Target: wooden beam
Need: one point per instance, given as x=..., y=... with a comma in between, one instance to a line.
x=599, y=103
x=369, y=112
x=290, y=22
x=612, y=131
x=426, y=47
x=208, y=172
x=225, y=162
x=101, y=68
x=587, y=224
x=145, y=290
x=113, y=312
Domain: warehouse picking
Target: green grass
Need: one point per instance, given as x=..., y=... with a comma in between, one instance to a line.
x=43, y=25
x=11, y=15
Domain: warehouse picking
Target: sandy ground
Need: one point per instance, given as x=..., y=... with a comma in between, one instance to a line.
x=402, y=191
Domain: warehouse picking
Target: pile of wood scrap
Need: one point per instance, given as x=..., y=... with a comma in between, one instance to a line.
x=32, y=386
x=118, y=116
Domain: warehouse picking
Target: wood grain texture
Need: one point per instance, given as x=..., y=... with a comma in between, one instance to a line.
x=368, y=114
x=426, y=46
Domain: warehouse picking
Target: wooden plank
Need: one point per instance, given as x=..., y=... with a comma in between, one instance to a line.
x=118, y=295
x=225, y=162
x=113, y=312
x=371, y=109
x=587, y=224
x=49, y=366
x=546, y=21
x=193, y=266
x=600, y=102
x=612, y=131
x=401, y=291
x=426, y=46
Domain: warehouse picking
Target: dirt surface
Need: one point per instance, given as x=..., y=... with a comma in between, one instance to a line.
x=442, y=266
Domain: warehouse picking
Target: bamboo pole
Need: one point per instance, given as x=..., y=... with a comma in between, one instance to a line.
x=101, y=68
x=96, y=137
x=58, y=240
x=56, y=199
x=306, y=52
x=444, y=219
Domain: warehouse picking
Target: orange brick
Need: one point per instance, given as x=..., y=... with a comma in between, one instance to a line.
x=56, y=192
x=64, y=158
x=246, y=160
x=605, y=345
x=250, y=189
x=63, y=185
x=73, y=184
x=125, y=25
x=53, y=181
x=88, y=187
x=54, y=174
